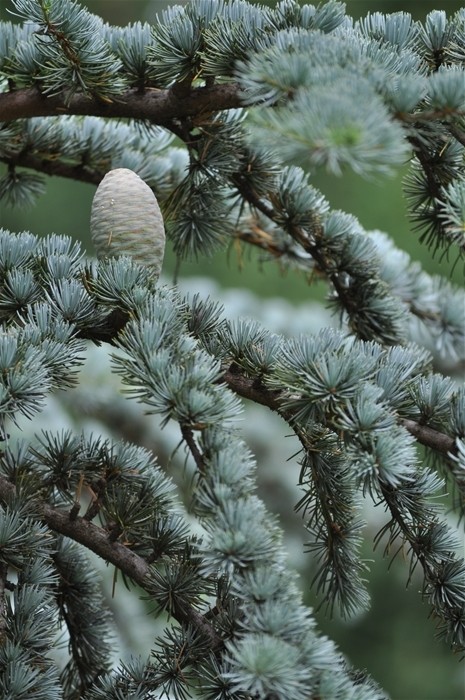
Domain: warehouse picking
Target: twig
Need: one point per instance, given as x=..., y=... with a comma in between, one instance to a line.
x=188, y=436
x=80, y=173
x=430, y=437
x=308, y=244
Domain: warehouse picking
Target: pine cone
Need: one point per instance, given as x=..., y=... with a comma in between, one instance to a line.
x=126, y=220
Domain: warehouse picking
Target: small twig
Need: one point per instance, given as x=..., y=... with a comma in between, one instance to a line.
x=107, y=331
x=300, y=236
x=252, y=389
x=429, y=437
x=457, y=133
x=53, y=167
x=188, y=436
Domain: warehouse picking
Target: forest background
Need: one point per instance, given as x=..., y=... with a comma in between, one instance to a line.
x=394, y=640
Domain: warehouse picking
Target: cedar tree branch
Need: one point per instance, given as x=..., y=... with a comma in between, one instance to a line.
x=257, y=392
x=156, y=106
x=163, y=107
x=97, y=540
x=55, y=168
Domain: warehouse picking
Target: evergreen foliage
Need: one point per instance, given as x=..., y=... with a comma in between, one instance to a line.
x=254, y=97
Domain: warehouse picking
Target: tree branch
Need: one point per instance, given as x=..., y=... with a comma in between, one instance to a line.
x=255, y=390
x=97, y=540
x=57, y=168
x=252, y=389
x=107, y=331
x=156, y=106
x=430, y=437
x=307, y=243
x=188, y=437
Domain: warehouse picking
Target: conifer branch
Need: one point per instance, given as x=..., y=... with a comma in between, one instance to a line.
x=107, y=332
x=305, y=241
x=156, y=106
x=56, y=168
x=213, y=106
x=457, y=132
x=429, y=437
x=254, y=390
x=97, y=540
x=188, y=437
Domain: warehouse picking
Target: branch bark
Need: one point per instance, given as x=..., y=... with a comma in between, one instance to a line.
x=54, y=168
x=254, y=390
x=96, y=539
x=157, y=106
x=257, y=392
x=430, y=437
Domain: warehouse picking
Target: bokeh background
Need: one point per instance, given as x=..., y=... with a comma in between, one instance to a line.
x=394, y=641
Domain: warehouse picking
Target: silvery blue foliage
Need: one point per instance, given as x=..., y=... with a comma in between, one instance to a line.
x=255, y=96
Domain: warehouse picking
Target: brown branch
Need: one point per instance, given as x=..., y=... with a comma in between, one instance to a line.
x=307, y=243
x=255, y=390
x=188, y=437
x=106, y=331
x=430, y=437
x=457, y=133
x=156, y=106
x=57, y=168
x=252, y=389
x=131, y=564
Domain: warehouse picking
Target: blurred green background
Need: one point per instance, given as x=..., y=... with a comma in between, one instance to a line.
x=395, y=640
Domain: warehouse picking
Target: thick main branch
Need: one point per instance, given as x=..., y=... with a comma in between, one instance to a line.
x=156, y=106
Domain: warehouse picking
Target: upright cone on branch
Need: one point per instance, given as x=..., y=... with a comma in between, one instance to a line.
x=126, y=220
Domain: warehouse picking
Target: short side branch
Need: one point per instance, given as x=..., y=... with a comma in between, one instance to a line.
x=430, y=437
